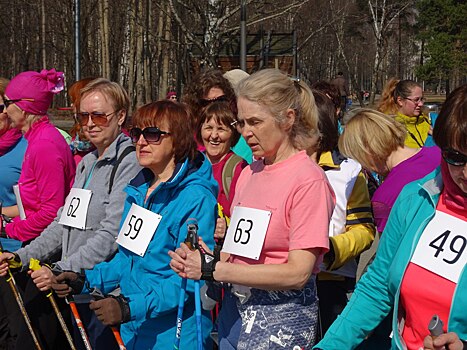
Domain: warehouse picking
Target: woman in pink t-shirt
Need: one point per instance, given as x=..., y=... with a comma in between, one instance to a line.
x=279, y=227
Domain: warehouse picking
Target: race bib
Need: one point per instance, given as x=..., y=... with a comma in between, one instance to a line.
x=138, y=229
x=246, y=233
x=75, y=210
x=442, y=247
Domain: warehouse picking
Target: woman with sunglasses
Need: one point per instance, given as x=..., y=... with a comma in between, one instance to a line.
x=48, y=168
x=279, y=228
x=85, y=229
x=12, y=148
x=404, y=99
x=175, y=188
x=419, y=270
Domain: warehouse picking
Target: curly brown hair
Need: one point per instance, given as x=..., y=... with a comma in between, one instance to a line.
x=199, y=89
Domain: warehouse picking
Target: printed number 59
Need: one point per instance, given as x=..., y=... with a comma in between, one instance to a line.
x=136, y=226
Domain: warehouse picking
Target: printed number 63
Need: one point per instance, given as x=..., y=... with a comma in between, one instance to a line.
x=239, y=232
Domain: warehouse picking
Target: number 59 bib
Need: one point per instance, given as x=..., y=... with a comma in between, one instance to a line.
x=246, y=233
x=138, y=229
x=442, y=246
x=75, y=210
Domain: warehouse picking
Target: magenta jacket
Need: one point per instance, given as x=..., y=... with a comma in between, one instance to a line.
x=46, y=178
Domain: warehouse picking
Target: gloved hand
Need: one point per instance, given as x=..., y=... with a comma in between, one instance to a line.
x=111, y=311
x=68, y=282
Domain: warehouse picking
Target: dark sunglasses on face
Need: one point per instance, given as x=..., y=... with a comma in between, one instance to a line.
x=207, y=101
x=2, y=108
x=7, y=103
x=151, y=134
x=454, y=157
x=98, y=118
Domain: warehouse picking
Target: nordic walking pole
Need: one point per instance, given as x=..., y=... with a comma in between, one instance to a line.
x=14, y=288
x=82, y=331
x=34, y=265
x=191, y=241
x=98, y=295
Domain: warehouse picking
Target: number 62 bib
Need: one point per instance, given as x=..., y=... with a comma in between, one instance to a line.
x=75, y=210
x=247, y=231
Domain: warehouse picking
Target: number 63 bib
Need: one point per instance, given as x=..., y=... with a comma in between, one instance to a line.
x=247, y=231
x=138, y=229
x=442, y=247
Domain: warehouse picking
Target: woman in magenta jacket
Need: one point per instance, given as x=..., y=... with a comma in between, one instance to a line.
x=48, y=168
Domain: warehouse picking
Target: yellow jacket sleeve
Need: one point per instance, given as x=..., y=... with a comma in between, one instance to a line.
x=359, y=229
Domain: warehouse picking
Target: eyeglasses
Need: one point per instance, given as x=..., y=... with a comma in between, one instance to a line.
x=207, y=101
x=98, y=118
x=2, y=108
x=416, y=100
x=173, y=97
x=238, y=124
x=454, y=157
x=7, y=103
x=151, y=134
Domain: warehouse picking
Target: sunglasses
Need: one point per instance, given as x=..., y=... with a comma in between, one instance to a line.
x=7, y=103
x=151, y=134
x=207, y=101
x=454, y=157
x=98, y=118
x=2, y=108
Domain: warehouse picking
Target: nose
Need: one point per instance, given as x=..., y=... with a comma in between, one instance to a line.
x=90, y=122
x=141, y=140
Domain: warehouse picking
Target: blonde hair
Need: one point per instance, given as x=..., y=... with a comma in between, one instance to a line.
x=371, y=136
x=277, y=93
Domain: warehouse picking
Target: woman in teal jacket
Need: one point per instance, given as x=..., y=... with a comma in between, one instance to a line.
x=419, y=270
x=176, y=184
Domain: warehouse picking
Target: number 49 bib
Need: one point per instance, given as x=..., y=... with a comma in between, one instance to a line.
x=246, y=233
x=138, y=228
x=442, y=246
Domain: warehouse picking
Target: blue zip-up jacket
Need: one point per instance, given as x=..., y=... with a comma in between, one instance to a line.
x=379, y=289
x=148, y=282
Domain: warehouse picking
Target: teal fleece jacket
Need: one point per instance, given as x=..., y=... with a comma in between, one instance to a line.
x=378, y=290
x=148, y=282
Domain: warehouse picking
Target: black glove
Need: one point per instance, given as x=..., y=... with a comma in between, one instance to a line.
x=208, y=264
x=68, y=282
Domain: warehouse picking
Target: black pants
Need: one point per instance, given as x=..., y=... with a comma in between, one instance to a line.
x=332, y=299
x=41, y=314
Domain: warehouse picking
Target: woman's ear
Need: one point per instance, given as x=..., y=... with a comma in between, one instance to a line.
x=289, y=118
x=121, y=117
x=399, y=101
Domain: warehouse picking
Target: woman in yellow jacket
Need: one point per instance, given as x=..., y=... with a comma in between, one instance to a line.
x=404, y=99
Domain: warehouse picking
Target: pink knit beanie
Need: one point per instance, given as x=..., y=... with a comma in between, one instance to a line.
x=38, y=86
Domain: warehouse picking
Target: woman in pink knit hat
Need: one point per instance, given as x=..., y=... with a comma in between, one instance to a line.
x=48, y=168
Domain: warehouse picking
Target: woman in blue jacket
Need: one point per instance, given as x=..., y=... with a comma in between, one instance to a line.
x=175, y=186
x=419, y=270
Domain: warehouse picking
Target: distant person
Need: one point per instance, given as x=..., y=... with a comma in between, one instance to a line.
x=80, y=145
x=171, y=95
x=341, y=84
x=404, y=99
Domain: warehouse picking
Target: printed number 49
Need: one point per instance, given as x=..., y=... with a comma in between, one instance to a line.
x=439, y=242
